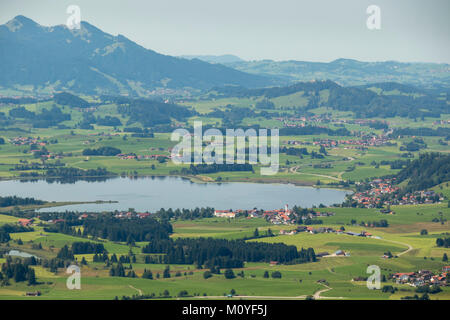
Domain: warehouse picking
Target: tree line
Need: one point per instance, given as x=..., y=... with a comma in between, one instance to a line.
x=17, y=201
x=224, y=253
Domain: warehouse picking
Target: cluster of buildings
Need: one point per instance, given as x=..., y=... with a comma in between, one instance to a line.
x=126, y=156
x=291, y=121
x=104, y=134
x=49, y=155
x=27, y=141
x=281, y=216
x=441, y=122
x=371, y=198
x=313, y=215
x=422, y=277
x=278, y=216
x=25, y=222
x=297, y=142
x=380, y=188
x=133, y=156
x=313, y=230
x=131, y=214
x=323, y=118
x=365, y=142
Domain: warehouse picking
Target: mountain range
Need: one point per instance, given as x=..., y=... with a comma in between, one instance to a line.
x=45, y=60
x=349, y=72
x=90, y=61
x=222, y=59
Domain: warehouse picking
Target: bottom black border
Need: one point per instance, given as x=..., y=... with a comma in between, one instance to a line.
x=224, y=309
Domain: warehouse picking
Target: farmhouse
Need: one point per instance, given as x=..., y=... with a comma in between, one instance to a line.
x=25, y=222
x=403, y=277
x=224, y=213
x=288, y=232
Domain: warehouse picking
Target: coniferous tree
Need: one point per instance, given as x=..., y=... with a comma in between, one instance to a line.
x=31, y=277
x=166, y=273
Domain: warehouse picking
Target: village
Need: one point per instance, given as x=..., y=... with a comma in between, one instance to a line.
x=423, y=277
x=361, y=144
x=28, y=141
x=383, y=192
x=288, y=217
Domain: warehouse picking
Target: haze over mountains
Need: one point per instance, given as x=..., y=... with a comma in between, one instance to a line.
x=349, y=72
x=91, y=61
x=39, y=59
x=223, y=59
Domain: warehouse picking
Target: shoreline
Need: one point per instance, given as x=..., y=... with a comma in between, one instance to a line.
x=195, y=179
x=55, y=204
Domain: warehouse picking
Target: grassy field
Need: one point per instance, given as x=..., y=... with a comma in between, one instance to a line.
x=342, y=163
x=298, y=281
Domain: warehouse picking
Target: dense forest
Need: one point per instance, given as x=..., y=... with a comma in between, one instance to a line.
x=18, y=270
x=83, y=247
x=429, y=170
x=299, y=152
x=102, y=151
x=226, y=253
x=46, y=118
x=440, y=131
x=68, y=99
x=313, y=130
x=114, y=229
x=89, y=119
x=184, y=214
x=149, y=113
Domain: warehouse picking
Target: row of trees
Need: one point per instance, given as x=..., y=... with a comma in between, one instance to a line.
x=213, y=168
x=225, y=253
x=17, y=201
x=102, y=151
x=443, y=242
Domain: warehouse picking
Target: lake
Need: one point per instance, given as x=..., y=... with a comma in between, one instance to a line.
x=153, y=193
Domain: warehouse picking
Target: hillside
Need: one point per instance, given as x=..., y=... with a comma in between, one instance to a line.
x=428, y=171
x=386, y=99
x=350, y=72
x=43, y=59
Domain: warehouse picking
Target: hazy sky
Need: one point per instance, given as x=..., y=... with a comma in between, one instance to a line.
x=313, y=30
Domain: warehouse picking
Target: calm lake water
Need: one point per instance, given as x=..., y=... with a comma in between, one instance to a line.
x=153, y=193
